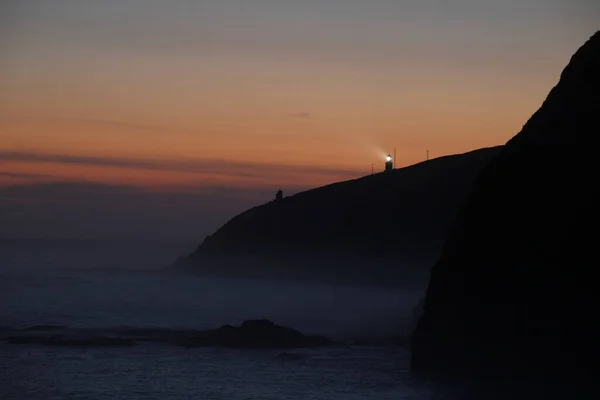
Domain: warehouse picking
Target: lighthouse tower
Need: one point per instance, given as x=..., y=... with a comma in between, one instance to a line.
x=389, y=163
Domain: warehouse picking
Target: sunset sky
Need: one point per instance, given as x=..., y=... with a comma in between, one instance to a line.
x=176, y=114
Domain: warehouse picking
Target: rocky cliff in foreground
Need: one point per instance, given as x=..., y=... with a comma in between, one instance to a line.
x=355, y=230
x=515, y=290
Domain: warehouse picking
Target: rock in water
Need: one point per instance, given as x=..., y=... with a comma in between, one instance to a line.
x=257, y=334
x=290, y=356
x=514, y=291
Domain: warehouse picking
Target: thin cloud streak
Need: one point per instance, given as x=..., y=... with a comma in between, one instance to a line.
x=96, y=122
x=198, y=165
x=301, y=115
x=23, y=175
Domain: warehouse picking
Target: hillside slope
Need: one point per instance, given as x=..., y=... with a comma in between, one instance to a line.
x=348, y=229
x=515, y=292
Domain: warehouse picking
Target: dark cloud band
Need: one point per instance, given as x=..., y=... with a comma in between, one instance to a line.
x=197, y=165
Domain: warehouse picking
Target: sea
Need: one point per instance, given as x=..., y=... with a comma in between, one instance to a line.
x=92, y=288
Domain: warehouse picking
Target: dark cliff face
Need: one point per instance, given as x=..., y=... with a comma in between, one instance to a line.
x=514, y=289
x=351, y=228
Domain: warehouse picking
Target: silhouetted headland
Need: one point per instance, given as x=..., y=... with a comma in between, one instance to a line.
x=357, y=230
x=514, y=293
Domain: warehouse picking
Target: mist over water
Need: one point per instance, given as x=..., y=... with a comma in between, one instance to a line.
x=106, y=285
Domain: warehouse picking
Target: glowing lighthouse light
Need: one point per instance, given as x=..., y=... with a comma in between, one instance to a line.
x=388, y=163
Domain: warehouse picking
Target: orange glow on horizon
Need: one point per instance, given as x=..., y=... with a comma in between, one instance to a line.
x=289, y=106
x=309, y=143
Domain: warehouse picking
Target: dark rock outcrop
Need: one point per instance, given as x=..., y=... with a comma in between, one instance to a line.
x=514, y=292
x=255, y=334
x=291, y=356
x=349, y=230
